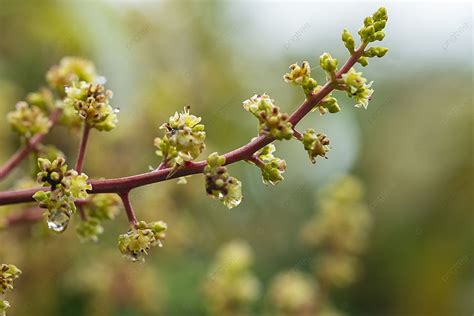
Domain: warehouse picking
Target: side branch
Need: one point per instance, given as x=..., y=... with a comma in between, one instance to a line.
x=23, y=152
x=132, y=218
x=82, y=147
x=125, y=184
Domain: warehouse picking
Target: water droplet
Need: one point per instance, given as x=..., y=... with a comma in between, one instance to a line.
x=58, y=220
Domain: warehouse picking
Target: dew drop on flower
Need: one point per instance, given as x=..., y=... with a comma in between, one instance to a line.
x=58, y=221
x=232, y=202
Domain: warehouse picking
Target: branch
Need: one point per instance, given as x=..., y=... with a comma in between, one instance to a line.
x=23, y=152
x=245, y=152
x=82, y=148
x=132, y=218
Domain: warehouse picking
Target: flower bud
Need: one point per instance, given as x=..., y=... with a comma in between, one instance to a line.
x=183, y=140
x=363, y=61
x=71, y=70
x=301, y=76
x=134, y=245
x=271, y=121
x=315, y=144
x=348, y=40
x=373, y=26
x=27, y=121
x=272, y=167
x=66, y=187
x=8, y=274
x=219, y=184
x=91, y=101
x=328, y=63
x=357, y=87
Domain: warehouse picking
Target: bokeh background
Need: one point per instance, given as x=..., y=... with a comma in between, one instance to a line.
x=412, y=150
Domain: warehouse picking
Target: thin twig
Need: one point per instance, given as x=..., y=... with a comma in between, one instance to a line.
x=297, y=134
x=82, y=148
x=82, y=212
x=132, y=218
x=30, y=146
x=256, y=161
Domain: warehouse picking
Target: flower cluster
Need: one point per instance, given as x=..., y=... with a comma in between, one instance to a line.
x=140, y=238
x=301, y=76
x=89, y=229
x=271, y=166
x=91, y=102
x=291, y=293
x=28, y=120
x=43, y=98
x=348, y=40
x=372, y=31
x=231, y=288
x=343, y=223
x=315, y=144
x=328, y=104
x=71, y=70
x=8, y=274
x=66, y=187
x=219, y=184
x=373, y=26
x=329, y=65
x=183, y=140
x=272, y=121
x=358, y=88
x=97, y=208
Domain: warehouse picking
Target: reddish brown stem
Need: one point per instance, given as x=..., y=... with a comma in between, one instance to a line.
x=30, y=146
x=82, y=148
x=82, y=212
x=132, y=218
x=297, y=134
x=256, y=161
x=126, y=184
x=27, y=216
x=162, y=165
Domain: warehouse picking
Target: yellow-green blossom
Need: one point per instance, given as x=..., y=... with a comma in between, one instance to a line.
x=301, y=76
x=271, y=121
x=135, y=244
x=91, y=102
x=315, y=144
x=66, y=187
x=71, y=70
x=219, y=184
x=272, y=167
x=8, y=274
x=28, y=120
x=358, y=88
x=183, y=140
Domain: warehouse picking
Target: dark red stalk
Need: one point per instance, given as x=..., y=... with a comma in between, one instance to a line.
x=30, y=146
